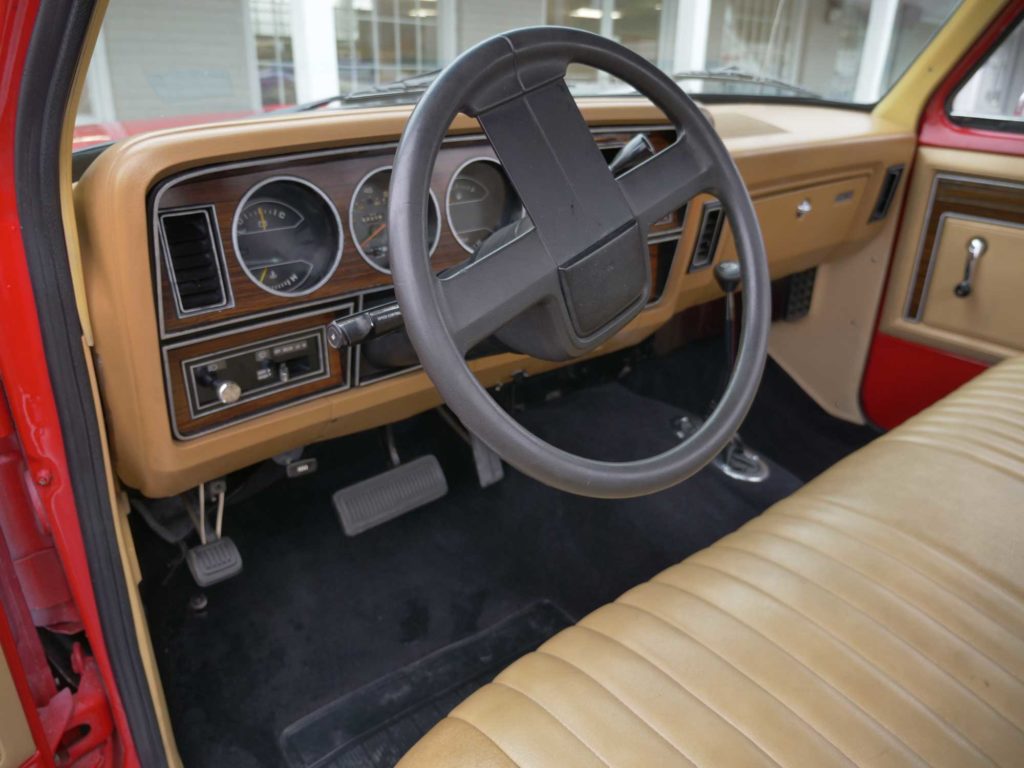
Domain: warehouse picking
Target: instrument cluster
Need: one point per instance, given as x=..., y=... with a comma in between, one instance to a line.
x=288, y=234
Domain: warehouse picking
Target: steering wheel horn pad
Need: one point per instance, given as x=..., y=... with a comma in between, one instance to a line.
x=565, y=281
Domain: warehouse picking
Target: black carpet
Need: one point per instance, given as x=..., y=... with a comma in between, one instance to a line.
x=784, y=422
x=377, y=724
x=315, y=615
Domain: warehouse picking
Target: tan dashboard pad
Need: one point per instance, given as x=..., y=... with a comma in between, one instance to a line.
x=992, y=310
x=800, y=151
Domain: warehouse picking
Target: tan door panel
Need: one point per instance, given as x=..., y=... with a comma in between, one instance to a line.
x=16, y=744
x=954, y=193
x=992, y=311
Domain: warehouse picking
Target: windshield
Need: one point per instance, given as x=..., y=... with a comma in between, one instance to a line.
x=158, y=65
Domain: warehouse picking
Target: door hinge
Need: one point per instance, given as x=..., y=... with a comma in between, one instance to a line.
x=78, y=723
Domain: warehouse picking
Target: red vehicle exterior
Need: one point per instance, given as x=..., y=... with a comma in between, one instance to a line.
x=35, y=490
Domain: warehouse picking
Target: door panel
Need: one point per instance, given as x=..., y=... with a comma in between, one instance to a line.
x=955, y=196
x=991, y=311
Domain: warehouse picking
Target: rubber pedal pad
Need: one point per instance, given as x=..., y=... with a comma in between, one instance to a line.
x=390, y=494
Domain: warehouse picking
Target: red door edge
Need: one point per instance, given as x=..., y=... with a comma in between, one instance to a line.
x=26, y=380
x=938, y=130
x=902, y=378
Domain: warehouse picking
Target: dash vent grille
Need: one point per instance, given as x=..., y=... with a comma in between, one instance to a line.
x=711, y=221
x=195, y=262
x=888, y=192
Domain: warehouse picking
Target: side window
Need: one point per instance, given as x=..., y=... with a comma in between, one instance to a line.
x=993, y=96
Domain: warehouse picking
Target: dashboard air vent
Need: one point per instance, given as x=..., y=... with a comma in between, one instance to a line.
x=195, y=264
x=885, y=197
x=712, y=218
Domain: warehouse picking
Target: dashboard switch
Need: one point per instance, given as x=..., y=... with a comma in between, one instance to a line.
x=228, y=392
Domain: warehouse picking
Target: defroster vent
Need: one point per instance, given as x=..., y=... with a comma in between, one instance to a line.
x=195, y=262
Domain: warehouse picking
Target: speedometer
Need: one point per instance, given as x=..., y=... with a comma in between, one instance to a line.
x=368, y=218
x=481, y=200
x=287, y=236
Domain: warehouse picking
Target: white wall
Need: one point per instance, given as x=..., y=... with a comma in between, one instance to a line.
x=479, y=19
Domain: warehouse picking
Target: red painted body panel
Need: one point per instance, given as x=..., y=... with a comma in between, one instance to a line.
x=903, y=378
x=16, y=512
x=26, y=379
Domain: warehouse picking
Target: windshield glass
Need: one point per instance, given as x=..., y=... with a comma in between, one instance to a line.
x=158, y=65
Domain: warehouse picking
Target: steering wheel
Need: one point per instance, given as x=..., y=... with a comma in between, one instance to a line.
x=562, y=282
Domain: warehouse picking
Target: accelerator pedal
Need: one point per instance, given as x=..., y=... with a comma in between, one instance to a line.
x=214, y=562
x=390, y=494
x=489, y=469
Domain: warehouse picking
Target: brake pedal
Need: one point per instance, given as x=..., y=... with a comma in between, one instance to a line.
x=214, y=562
x=390, y=494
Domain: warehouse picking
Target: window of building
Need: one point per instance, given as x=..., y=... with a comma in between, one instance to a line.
x=166, y=64
x=379, y=41
x=272, y=30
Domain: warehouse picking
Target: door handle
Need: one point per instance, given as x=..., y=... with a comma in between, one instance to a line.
x=976, y=247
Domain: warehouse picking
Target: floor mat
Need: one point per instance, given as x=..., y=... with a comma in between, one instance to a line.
x=374, y=726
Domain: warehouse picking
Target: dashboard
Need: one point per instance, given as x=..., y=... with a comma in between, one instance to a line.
x=280, y=247
x=235, y=245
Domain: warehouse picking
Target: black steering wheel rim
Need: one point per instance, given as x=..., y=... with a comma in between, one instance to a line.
x=521, y=69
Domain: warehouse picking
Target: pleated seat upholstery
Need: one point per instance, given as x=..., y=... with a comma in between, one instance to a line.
x=876, y=617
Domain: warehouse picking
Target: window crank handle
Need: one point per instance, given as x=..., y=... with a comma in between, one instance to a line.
x=976, y=247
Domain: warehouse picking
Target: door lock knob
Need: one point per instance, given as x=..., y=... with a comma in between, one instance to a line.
x=976, y=248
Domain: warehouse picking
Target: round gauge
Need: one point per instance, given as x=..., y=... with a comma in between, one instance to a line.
x=287, y=236
x=368, y=218
x=481, y=199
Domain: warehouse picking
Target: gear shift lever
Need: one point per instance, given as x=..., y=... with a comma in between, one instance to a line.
x=736, y=460
x=727, y=275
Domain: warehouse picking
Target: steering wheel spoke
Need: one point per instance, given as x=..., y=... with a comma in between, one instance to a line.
x=668, y=180
x=482, y=295
x=546, y=148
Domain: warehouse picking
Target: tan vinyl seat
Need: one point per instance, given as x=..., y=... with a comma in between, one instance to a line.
x=876, y=617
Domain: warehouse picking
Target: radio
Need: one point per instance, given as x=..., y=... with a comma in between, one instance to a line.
x=238, y=375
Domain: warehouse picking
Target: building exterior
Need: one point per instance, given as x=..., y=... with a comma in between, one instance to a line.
x=225, y=57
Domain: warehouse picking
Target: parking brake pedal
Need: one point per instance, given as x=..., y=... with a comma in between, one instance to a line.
x=390, y=494
x=214, y=562
x=216, y=558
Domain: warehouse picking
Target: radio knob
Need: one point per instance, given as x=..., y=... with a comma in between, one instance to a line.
x=228, y=392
